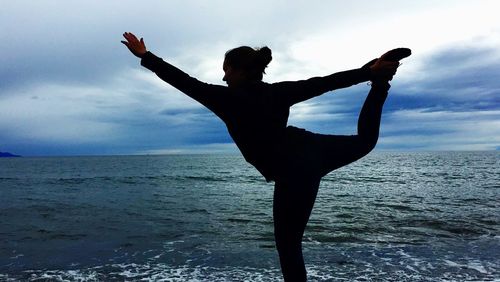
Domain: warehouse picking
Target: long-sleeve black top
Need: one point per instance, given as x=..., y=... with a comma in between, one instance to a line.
x=255, y=114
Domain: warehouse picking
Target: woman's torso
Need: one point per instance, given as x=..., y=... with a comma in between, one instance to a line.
x=256, y=119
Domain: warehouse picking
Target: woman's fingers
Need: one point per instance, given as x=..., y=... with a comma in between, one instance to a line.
x=133, y=37
x=136, y=46
x=130, y=37
x=131, y=41
x=388, y=64
x=382, y=69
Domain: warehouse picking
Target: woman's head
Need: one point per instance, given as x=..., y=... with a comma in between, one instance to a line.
x=245, y=64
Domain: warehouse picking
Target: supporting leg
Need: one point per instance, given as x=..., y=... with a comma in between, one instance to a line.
x=293, y=201
x=308, y=157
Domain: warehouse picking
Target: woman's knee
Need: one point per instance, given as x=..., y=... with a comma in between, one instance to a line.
x=288, y=240
x=367, y=144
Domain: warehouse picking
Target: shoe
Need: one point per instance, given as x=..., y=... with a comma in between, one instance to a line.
x=396, y=55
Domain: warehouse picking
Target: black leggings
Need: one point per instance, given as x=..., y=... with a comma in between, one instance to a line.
x=309, y=157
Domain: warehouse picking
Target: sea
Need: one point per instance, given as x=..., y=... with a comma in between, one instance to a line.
x=391, y=216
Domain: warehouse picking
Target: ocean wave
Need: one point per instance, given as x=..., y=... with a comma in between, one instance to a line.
x=398, y=207
x=349, y=269
x=239, y=220
x=149, y=272
x=203, y=178
x=446, y=228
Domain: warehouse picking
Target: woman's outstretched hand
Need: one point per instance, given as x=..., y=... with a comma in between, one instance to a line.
x=386, y=66
x=136, y=46
x=383, y=70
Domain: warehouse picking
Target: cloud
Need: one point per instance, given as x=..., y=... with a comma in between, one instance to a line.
x=68, y=86
x=134, y=111
x=426, y=129
x=68, y=113
x=452, y=103
x=451, y=79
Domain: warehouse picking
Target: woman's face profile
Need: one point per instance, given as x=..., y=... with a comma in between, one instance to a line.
x=233, y=77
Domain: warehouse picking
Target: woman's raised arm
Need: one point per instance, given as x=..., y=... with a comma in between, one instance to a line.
x=209, y=95
x=383, y=68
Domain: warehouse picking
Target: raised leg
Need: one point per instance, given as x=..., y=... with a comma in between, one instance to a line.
x=342, y=150
x=371, y=113
x=319, y=154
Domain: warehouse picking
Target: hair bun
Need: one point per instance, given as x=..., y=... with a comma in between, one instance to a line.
x=264, y=56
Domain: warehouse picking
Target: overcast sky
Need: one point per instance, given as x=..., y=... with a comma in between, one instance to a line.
x=69, y=87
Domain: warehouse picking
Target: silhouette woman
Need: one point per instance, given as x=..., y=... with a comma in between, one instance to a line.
x=256, y=115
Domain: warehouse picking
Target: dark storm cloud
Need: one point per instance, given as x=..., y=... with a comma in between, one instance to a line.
x=453, y=79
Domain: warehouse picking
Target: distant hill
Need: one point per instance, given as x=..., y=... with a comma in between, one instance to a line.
x=7, y=155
